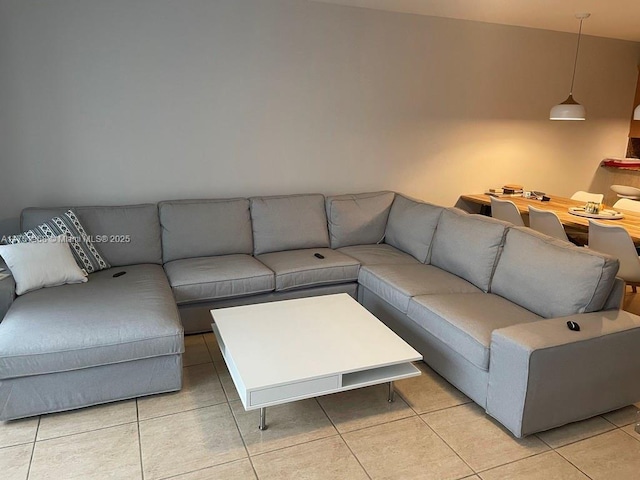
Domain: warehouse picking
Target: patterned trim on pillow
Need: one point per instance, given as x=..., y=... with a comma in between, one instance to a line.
x=86, y=254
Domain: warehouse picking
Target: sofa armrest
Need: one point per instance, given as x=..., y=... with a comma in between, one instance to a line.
x=7, y=292
x=543, y=375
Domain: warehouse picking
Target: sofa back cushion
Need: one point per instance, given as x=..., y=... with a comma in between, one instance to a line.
x=125, y=235
x=205, y=228
x=288, y=223
x=411, y=226
x=468, y=245
x=358, y=219
x=551, y=277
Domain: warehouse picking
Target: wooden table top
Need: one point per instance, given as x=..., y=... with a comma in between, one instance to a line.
x=560, y=205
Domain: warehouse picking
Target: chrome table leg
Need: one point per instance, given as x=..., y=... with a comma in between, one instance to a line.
x=263, y=418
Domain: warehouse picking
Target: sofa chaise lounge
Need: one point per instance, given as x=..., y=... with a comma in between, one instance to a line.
x=486, y=303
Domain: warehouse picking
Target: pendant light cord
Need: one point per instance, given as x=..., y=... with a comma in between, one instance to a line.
x=575, y=62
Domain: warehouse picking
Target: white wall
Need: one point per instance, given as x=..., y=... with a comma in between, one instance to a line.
x=123, y=101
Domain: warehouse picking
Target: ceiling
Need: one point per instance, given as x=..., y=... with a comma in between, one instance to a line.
x=609, y=18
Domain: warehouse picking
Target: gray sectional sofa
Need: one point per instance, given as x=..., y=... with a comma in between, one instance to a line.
x=486, y=303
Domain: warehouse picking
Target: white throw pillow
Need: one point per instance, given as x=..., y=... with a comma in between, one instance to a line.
x=45, y=263
x=82, y=248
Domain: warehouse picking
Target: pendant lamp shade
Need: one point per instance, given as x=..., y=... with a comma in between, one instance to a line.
x=570, y=109
x=636, y=113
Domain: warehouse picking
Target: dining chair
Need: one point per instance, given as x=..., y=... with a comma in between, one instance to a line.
x=583, y=196
x=578, y=236
x=615, y=241
x=627, y=204
x=547, y=222
x=506, y=210
x=626, y=191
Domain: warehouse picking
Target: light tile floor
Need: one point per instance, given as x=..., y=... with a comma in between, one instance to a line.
x=431, y=431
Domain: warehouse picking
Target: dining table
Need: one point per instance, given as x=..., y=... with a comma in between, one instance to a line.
x=479, y=203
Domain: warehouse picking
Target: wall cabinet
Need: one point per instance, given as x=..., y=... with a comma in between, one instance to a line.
x=634, y=131
x=633, y=147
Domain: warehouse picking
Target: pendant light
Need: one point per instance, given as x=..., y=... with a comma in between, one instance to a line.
x=570, y=109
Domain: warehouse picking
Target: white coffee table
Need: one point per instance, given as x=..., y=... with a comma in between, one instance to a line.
x=289, y=350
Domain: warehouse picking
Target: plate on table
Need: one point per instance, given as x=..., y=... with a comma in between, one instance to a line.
x=603, y=215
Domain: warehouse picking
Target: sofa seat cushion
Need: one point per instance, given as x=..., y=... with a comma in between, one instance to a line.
x=378, y=254
x=570, y=279
x=104, y=321
x=464, y=322
x=214, y=278
x=300, y=268
x=396, y=284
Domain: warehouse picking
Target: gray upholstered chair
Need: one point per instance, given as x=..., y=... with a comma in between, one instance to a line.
x=506, y=210
x=546, y=222
x=615, y=241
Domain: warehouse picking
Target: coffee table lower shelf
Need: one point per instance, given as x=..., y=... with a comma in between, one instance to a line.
x=263, y=410
x=262, y=398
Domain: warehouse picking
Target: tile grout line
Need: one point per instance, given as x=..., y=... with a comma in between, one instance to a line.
x=33, y=447
x=197, y=364
x=574, y=465
x=286, y=446
x=342, y=438
x=173, y=413
x=206, y=348
x=588, y=438
x=16, y=444
x=607, y=420
x=139, y=440
x=85, y=431
x=398, y=393
x=591, y=437
x=229, y=462
x=209, y=350
x=224, y=390
x=306, y=442
x=551, y=448
x=354, y=456
x=426, y=412
x=542, y=440
x=573, y=442
x=515, y=461
x=244, y=443
x=447, y=443
x=635, y=437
